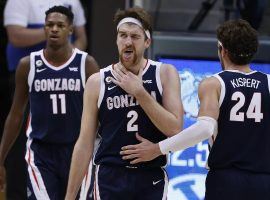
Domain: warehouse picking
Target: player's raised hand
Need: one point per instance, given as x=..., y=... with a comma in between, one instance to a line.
x=144, y=151
x=2, y=178
x=128, y=81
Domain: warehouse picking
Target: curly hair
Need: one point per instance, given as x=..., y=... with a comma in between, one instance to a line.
x=137, y=13
x=240, y=39
x=63, y=10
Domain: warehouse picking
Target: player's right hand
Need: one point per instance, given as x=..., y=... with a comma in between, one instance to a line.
x=2, y=178
x=142, y=152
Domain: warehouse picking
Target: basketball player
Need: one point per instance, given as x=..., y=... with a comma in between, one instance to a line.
x=134, y=95
x=53, y=79
x=235, y=116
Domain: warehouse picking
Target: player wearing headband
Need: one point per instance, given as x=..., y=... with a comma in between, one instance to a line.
x=135, y=95
x=234, y=115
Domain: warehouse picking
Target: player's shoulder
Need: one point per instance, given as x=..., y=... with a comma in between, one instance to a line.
x=167, y=68
x=90, y=60
x=23, y=67
x=92, y=86
x=209, y=83
x=168, y=72
x=94, y=79
x=24, y=62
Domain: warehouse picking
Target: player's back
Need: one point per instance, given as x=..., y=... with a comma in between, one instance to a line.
x=56, y=96
x=243, y=138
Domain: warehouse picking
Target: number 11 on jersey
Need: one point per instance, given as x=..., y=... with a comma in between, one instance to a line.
x=62, y=98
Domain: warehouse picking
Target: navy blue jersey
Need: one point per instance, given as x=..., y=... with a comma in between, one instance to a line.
x=56, y=98
x=243, y=138
x=120, y=117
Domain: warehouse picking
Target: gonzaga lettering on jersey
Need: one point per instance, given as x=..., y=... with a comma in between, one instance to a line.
x=243, y=123
x=60, y=92
x=120, y=117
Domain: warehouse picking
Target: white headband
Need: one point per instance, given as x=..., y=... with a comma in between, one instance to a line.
x=220, y=43
x=134, y=21
x=241, y=54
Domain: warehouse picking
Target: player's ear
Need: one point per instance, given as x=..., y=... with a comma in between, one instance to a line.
x=147, y=42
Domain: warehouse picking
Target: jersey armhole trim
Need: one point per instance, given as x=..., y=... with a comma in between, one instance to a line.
x=102, y=88
x=268, y=78
x=31, y=74
x=222, y=89
x=158, y=78
x=83, y=68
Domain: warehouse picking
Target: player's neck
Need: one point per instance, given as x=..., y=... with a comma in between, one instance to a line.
x=241, y=68
x=136, y=68
x=58, y=56
x=229, y=65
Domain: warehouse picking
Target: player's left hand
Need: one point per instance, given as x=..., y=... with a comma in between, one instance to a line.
x=144, y=151
x=128, y=81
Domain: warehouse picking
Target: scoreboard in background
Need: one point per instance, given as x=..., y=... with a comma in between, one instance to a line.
x=186, y=169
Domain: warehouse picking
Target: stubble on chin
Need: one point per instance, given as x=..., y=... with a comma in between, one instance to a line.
x=128, y=64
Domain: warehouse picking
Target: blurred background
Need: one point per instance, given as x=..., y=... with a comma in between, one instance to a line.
x=184, y=35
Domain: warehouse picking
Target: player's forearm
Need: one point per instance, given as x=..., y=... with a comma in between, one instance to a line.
x=164, y=120
x=204, y=128
x=25, y=37
x=79, y=164
x=11, y=131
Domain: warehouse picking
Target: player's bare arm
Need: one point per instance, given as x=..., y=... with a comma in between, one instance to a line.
x=85, y=144
x=171, y=100
x=91, y=66
x=168, y=117
x=209, y=92
x=15, y=117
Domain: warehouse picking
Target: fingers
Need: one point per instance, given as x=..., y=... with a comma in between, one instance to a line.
x=116, y=76
x=131, y=156
x=119, y=71
x=129, y=147
x=131, y=152
x=123, y=69
x=127, y=152
x=116, y=82
x=136, y=161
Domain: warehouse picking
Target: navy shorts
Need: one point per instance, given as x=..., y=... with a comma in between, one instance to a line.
x=121, y=183
x=48, y=171
x=234, y=184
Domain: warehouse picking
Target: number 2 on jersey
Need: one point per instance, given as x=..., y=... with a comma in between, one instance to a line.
x=254, y=108
x=131, y=126
x=54, y=99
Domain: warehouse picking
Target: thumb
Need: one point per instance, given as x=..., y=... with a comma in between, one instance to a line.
x=140, y=138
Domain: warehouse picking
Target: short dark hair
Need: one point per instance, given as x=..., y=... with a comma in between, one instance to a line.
x=240, y=39
x=63, y=10
x=137, y=13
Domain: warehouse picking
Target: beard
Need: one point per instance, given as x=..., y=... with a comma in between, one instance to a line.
x=128, y=63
